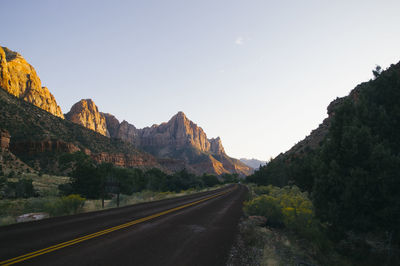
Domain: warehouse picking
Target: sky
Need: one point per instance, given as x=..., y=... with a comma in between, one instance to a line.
x=259, y=74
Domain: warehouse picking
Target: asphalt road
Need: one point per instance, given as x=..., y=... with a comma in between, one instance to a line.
x=191, y=230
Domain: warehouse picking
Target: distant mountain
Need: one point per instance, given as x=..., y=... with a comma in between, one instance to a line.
x=174, y=145
x=181, y=139
x=253, y=163
x=19, y=78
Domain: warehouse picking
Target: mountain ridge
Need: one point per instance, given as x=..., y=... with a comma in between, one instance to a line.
x=179, y=143
x=253, y=163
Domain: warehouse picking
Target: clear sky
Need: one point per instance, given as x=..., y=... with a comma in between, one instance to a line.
x=259, y=74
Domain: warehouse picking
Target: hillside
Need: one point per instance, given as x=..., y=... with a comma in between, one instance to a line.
x=350, y=165
x=36, y=132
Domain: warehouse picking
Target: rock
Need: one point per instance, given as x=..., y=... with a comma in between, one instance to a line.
x=34, y=216
x=4, y=139
x=36, y=147
x=129, y=133
x=112, y=124
x=216, y=146
x=126, y=160
x=258, y=220
x=19, y=78
x=86, y=113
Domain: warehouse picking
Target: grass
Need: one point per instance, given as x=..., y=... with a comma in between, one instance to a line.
x=50, y=203
x=139, y=197
x=47, y=185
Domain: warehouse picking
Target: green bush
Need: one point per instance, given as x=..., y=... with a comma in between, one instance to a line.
x=286, y=206
x=71, y=204
x=23, y=188
x=267, y=206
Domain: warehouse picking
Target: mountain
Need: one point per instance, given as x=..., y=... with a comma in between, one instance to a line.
x=20, y=79
x=253, y=163
x=86, y=113
x=181, y=139
x=178, y=139
x=38, y=138
x=172, y=146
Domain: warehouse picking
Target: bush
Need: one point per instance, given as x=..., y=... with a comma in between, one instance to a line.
x=71, y=204
x=267, y=206
x=21, y=189
x=286, y=206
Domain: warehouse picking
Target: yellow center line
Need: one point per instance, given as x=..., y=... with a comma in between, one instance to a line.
x=103, y=232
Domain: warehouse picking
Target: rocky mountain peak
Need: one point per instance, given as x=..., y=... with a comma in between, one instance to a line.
x=10, y=55
x=216, y=146
x=181, y=114
x=86, y=113
x=19, y=78
x=112, y=124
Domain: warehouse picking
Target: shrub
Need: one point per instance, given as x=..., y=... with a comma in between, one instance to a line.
x=21, y=189
x=71, y=204
x=267, y=206
x=286, y=206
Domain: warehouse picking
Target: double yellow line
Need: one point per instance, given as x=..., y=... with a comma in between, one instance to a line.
x=103, y=232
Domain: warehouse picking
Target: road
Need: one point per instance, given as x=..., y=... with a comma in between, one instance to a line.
x=197, y=229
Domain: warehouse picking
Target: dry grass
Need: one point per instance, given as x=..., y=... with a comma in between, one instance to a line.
x=138, y=197
x=46, y=183
x=10, y=209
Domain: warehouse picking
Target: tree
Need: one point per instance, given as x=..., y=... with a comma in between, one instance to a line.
x=377, y=71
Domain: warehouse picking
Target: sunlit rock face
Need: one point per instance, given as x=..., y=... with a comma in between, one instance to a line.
x=86, y=113
x=19, y=78
x=216, y=146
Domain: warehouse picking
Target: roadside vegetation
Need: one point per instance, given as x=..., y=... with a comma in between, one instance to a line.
x=91, y=187
x=352, y=177
x=280, y=228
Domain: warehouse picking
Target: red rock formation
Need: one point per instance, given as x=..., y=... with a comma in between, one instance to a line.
x=112, y=124
x=216, y=146
x=125, y=160
x=179, y=139
x=32, y=147
x=4, y=139
x=19, y=78
x=86, y=113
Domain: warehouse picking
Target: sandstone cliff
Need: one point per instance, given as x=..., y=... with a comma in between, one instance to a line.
x=86, y=113
x=19, y=78
x=179, y=139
